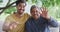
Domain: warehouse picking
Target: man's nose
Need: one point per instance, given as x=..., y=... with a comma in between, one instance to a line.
x=34, y=12
x=20, y=7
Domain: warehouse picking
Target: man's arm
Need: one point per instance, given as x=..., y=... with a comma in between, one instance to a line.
x=6, y=24
x=52, y=22
x=45, y=15
x=28, y=27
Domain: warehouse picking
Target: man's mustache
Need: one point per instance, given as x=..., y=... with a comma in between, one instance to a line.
x=35, y=14
x=21, y=9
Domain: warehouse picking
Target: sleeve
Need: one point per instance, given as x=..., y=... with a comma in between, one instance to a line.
x=27, y=15
x=28, y=28
x=6, y=24
x=52, y=22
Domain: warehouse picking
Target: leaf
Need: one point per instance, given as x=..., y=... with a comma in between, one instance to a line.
x=9, y=10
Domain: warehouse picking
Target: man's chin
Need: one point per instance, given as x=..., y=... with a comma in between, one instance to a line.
x=20, y=13
x=35, y=16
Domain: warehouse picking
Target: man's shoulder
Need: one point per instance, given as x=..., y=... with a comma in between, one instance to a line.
x=26, y=14
x=10, y=16
x=29, y=19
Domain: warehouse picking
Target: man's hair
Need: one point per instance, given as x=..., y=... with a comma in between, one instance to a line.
x=20, y=1
x=34, y=6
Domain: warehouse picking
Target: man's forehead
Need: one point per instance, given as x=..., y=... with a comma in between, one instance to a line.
x=22, y=4
x=35, y=9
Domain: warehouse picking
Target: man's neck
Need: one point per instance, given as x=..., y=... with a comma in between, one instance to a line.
x=19, y=15
x=36, y=18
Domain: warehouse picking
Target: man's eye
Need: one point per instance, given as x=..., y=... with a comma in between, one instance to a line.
x=36, y=11
x=23, y=6
x=32, y=11
x=19, y=5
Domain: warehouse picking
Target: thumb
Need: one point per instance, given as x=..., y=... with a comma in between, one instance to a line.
x=11, y=27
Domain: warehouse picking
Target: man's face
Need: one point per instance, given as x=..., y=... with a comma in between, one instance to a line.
x=35, y=13
x=21, y=8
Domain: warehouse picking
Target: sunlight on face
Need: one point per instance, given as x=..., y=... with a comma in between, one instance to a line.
x=21, y=8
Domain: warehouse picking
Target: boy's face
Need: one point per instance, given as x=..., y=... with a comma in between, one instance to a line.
x=35, y=13
x=21, y=8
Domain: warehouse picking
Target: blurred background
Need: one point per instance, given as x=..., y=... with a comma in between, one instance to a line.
x=7, y=7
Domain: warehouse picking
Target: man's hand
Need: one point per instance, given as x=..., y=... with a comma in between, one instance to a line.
x=44, y=13
x=6, y=26
x=9, y=26
x=13, y=25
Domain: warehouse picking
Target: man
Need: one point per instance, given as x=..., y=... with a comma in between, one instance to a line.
x=39, y=20
x=16, y=21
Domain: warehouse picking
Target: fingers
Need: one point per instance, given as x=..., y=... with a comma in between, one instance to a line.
x=13, y=25
x=43, y=9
